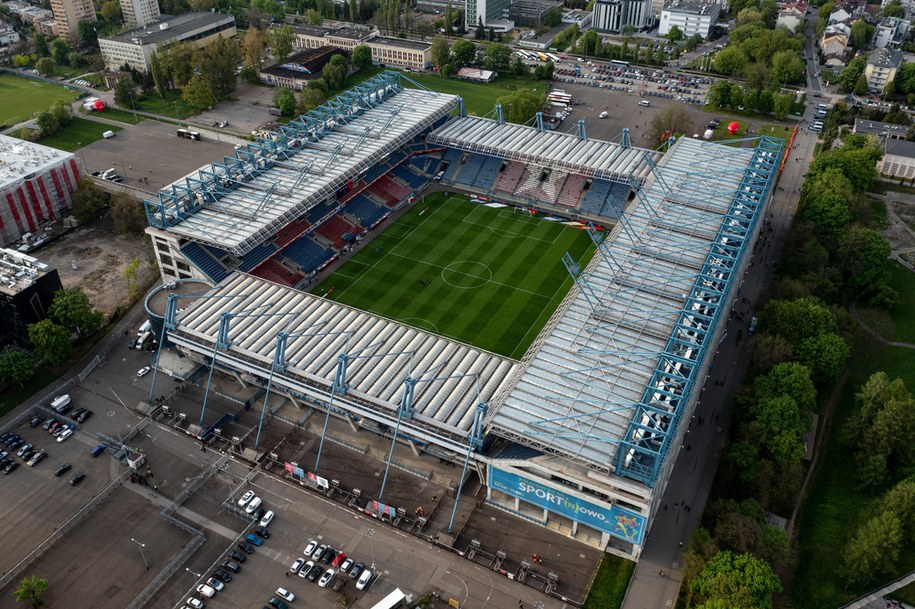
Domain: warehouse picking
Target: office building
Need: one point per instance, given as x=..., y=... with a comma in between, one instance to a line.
x=486, y=11
x=68, y=14
x=691, y=17
x=386, y=51
x=138, y=13
x=614, y=15
x=881, y=68
x=27, y=289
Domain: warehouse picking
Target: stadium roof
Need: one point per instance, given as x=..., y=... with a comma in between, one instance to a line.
x=382, y=353
x=630, y=341
x=21, y=160
x=545, y=148
x=237, y=204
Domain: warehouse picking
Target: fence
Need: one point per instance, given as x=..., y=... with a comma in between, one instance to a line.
x=62, y=530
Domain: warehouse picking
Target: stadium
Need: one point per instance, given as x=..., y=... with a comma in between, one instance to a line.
x=578, y=431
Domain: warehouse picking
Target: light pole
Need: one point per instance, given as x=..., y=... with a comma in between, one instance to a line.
x=197, y=575
x=371, y=535
x=142, y=555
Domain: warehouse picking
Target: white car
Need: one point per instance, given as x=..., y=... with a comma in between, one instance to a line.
x=215, y=584
x=246, y=499
x=364, y=579
x=285, y=594
x=310, y=548
x=142, y=372
x=306, y=569
x=205, y=590
x=196, y=603
x=319, y=551
x=267, y=519
x=64, y=435
x=328, y=576
x=296, y=565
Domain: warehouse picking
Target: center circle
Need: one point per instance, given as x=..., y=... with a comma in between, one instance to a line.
x=466, y=274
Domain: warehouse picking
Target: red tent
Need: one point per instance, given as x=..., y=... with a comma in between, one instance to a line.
x=99, y=105
x=733, y=128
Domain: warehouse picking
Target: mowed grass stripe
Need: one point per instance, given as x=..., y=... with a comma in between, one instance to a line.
x=503, y=314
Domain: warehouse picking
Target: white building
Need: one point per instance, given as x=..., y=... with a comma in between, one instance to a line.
x=613, y=15
x=881, y=68
x=138, y=13
x=486, y=11
x=135, y=47
x=898, y=159
x=891, y=33
x=789, y=17
x=691, y=17
x=399, y=52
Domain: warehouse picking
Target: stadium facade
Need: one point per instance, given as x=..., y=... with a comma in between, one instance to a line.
x=581, y=434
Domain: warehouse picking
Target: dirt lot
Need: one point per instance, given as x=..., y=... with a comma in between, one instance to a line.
x=101, y=256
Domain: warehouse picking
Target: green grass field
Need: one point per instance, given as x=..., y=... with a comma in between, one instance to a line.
x=479, y=98
x=495, y=275
x=22, y=98
x=78, y=133
x=610, y=583
x=122, y=116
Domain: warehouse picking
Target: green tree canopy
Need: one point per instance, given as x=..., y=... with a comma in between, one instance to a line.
x=123, y=92
x=47, y=122
x=441, y=52
x=463, y=53
x=901, y=502
x=789, y=379
x=673, y=120
x=59, y=51
x=128, y=215
x=825, y=355
x=797, y=319
x=89, y=201
x=849, y=75
x=362, y=57
x=16, y=367
x=874, y=549
x=45, y=66
x=335, y=72
x=520, y=105
x=894, y=9
x=31, y=590
x=254, y=48
x=736, y=580
x=51, y=341
x=309, y=99
x=675, y=34
x=72, y=309
x=284, y=99
x=862, y=33
x=866, y=252
x=159, y=74
x=198, y=94
x=497, y=57
x=553, y=16
x=282, y=40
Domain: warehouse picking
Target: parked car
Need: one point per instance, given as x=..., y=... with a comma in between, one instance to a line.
x=239, y=557
x=84, y=416
x=215, y=583
x=63, y=469
x=338, y=560
x=28, y=454
x=267, y=518
x=22, y=449
x=364, y=580
x=329, y=555
x=254, y=540
x=316, y=572
x=37, y=458
x=77, y=479
x=310, y=548
x=222, y=575
x=196, y=603
x=297, y=565
x=253, y=505
x=36, y=420
x=231, y=565
x=246, y=499
x=65, y=434
x=142, y=372
x=277, y=603
x=328, y=577
x=245, y=547
x=357, y=570
x=11, y=467
x=306, y=569
x=285, y=594
x=47, y=424
x=99, y=450
x=262, y=532
x=346, y=565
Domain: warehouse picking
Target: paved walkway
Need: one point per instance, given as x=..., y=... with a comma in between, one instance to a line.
x=874, y=600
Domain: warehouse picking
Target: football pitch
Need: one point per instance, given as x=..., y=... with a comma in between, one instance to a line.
x=22, y=98
x=484, y=276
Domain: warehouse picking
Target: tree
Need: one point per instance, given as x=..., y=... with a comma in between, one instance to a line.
x=589, y=43
x=825, y=355
x=132, y=278
x=16, y=367
x=866, y=252
x=791, y=379
x=675, y=34
x=497, y=57
x=41, y=44
x=160, y=79
x=449, y=25
x=128, y=215
x=88, y=201
x=254, y=48
x=45, y=66
x=47, y=122
x=521, y=105
x=858, y=165
x=849, y=76
x=786, y=67
x=30, y=591
x=901, y=502
x=782, y=104
x=441, y=52
x=797, y=319
x=861, y=34
x=894, y=9
x=51, y=341
x=111, y=11
x=905, y=78
x=72, y=309
x=736, y=580
x=198, y=94
x=874, y=549
x=861, y=85
x=179, y=62
x=123, y=92
x=730, y=61
x=480, y=33
x=217, y=62
x=354, y=11
x=59, y=51
x=309, y=99
x=692, y=42
x=262, y=12
x=552, y=17
x=671, y=121
x=749, y=16
x=285, y=101
x=362, y=56
x=335, y=72
x=463, y=53
x=282, y=41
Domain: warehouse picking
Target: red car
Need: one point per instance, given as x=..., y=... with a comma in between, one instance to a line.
x=338, y=560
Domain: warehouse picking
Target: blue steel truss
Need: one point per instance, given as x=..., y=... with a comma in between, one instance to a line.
x=208, y=186
x=654, y=423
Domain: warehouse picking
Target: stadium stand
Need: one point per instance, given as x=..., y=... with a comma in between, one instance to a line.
x=290, y=231
x=273, y=270
x=571, y=191
x=615, y=204
x=206, y=262
x=403, y=172
x=453, y=157
x=595, y=196
x=319, y=211
x=334, y=229
x=368, y=212
x=307, y=254
x=256, y=256
x=488, y=174
x=472, y=166
x=510, y=178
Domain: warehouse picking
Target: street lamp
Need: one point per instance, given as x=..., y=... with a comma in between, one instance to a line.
x=197, y=575
x=371, y=535
x=142, y=555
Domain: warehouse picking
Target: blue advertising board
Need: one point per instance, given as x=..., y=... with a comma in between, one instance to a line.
x=614, y=520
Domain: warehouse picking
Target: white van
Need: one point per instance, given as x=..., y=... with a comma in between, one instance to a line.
x=144, y=327
x=252, y=507
x=60, y=401
x=603, y=114
x=108, y=135
x=644, y=102
x=364, y=579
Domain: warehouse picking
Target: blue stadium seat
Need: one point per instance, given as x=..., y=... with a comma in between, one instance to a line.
x=472, y=166
x=317, y=212
x=204, y=261
x=368, y=212
x=307, y=254
x=595, y=196
x=488, y=174
x=409, y=177
x=256, y=256
x=453, y=156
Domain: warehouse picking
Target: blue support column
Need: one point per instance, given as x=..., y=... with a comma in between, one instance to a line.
x=626, y=140
x=222, y=342
x=170, y=323
x=500, y=117
x=407, y=396
x=581, y=129
x=476, y=442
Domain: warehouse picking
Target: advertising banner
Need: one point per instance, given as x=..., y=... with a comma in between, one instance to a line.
x=318, y=480
x=614, y=520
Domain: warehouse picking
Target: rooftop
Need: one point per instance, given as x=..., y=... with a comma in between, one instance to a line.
x=618, y=358
x=417, y=45
x=21, y=160
x=237, y=204
x=335, y=31
x=900, y=148
x=551, y=149
x=886, y=58
x=693, y=8
x=304, y=63
x=18, y=271
x=882, y=129
x=175, y=27
x=383, y=353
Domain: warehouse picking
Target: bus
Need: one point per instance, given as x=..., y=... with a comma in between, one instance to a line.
x=188, y=134
x=392, y=601
x=542, y=56
x=619, y=63
x=553, y=58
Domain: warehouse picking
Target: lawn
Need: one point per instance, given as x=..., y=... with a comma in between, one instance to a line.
x=610, y=583
x=834, y=507
x=122, y=116
x=488, y=277
x=173, y=106
x=898, y=324
x=479, y=99
x=22, y=98
x=78, y=133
